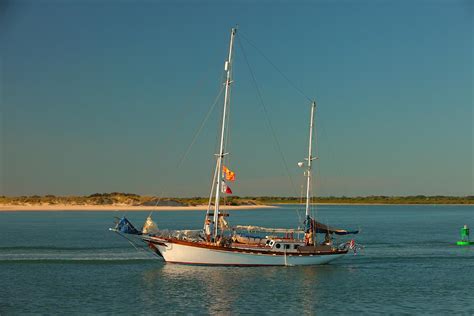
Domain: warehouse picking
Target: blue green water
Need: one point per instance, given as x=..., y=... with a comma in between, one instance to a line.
x=68, y=262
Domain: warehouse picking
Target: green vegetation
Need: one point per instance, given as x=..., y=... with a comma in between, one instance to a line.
x=375, y=199
x=119, y=198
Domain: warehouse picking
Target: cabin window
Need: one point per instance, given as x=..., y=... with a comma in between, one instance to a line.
x=278, y=246
x=287, y=246
x=296, y=246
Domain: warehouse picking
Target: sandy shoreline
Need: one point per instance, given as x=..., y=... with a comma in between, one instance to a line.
x=379, y=204
x=111, y=208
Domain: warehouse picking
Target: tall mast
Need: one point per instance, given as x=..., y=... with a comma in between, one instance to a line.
x=310, y=159
x=220, y=155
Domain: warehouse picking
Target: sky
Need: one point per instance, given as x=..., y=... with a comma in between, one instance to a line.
x=103, y=96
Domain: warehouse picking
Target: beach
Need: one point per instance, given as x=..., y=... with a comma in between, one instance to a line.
x=138, y=208
x=117, y=207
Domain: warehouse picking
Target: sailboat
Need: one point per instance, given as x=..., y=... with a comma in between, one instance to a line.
x=219, y=243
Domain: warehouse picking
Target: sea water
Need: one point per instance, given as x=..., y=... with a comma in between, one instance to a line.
x=68, y=262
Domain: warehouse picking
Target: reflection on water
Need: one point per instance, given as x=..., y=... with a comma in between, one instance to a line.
x=226, y=290
x=218, y=286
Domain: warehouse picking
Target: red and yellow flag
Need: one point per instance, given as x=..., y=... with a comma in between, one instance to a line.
x=229, y=175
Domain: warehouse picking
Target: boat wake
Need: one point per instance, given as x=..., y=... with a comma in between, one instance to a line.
x=59, y=254
x=55, y=248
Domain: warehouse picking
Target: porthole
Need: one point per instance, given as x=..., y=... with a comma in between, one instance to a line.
x=278, y=246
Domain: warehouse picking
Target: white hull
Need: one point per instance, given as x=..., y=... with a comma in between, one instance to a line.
x=186, y=254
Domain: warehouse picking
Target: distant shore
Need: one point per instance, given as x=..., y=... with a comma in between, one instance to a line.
x=133, y=202
x=111, y=208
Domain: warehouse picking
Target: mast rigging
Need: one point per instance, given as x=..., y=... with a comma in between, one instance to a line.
x=221, y=154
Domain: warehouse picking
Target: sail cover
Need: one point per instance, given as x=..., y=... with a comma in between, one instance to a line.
x=124, y=226
x=319, y=227
x=266, y=229
x=150, y=226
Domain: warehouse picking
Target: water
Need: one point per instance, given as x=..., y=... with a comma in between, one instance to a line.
x=62, y=262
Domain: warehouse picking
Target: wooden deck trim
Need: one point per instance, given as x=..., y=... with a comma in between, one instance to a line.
x=248, y=251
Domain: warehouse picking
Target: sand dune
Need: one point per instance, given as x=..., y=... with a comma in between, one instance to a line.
x=104, y=208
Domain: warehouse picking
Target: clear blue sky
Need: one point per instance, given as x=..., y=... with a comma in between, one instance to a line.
x=101, y=96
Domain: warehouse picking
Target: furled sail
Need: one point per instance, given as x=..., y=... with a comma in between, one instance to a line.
x=150, y=226
x=124, y=226
x=267, y=230
x=319, y=227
